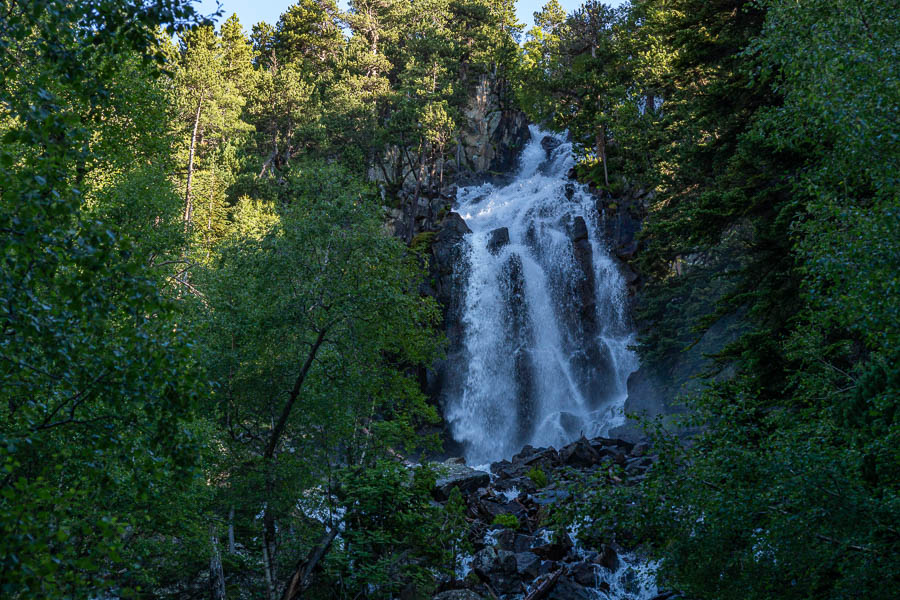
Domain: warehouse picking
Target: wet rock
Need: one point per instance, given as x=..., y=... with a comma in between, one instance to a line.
x=528, y=565
x=630, y=581
x=458, y=476
x=624, y=445
x=506, y=470
x=608, y=558
x=592, y=359
x=550, y=143
x=497, y=239
x=548, y=567
x=627, y=250
x=556, y=549
x=444, y=283
x=631, y=278
x=570, y=191
x=584, y=574
x=620, y=226
x=567, y=589
x=520, y=335
x=579, y=229
x=489, y=509
x=445, y=250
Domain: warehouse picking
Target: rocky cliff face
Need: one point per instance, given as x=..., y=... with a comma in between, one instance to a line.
x=489, y=141
x=493, y=134
x=650, y=394
x=516, y=555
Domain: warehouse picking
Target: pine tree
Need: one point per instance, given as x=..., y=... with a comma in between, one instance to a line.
x=209, y=82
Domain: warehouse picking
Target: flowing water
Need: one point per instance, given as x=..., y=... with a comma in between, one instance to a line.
x=545, y=337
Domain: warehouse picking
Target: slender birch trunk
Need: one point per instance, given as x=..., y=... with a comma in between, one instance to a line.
x=216, y=573
x=188, y=201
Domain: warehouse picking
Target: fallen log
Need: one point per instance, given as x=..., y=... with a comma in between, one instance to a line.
x=545, y=587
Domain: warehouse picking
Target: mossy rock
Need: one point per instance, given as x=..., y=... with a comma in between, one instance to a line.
x=422, y=242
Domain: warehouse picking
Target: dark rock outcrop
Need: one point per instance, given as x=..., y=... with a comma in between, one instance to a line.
x=549, y=143
x=520, y=337
x=580, y=454
x=445, y=283
x=499, y=569
x=498, y=239
x=528, y=565
x=455, y=475
x=568, y=589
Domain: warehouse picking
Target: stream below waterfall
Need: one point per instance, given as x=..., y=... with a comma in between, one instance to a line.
x=545, y=330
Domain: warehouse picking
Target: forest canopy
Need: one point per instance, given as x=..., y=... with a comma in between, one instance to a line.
x=213, y=350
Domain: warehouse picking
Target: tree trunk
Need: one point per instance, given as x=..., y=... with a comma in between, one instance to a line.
x=231, y=548
x=269, y=544
x=188, y=205
x=302, y=576
x=216, y=574
x=649, y=103
x=267, y=565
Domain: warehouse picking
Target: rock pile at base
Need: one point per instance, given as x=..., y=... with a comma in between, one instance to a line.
x=530, y=562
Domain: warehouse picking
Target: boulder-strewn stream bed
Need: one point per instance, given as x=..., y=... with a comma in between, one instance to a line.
x=525, y=557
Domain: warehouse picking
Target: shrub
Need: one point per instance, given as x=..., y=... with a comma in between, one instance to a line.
x=538, y=476
x=509, y=521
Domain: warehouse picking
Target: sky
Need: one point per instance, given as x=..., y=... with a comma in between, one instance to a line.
x=254, y=11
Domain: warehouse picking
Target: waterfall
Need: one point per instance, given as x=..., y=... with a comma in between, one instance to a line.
x=545, y=336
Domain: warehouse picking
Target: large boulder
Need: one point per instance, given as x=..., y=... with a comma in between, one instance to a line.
x=528, y=565
x=454, y=475
x=568, y=589
x=498, y=568
x=550, y=143
x=584, y=574
x=497, y=239
x=579, y=454
x=514, y=542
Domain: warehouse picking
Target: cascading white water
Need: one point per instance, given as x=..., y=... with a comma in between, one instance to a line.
x=545, y=332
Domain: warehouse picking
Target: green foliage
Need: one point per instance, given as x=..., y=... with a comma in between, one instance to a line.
x=394, y=535
x=98, y=385
x=537, y=475
x=341, y=300
x=422, y=242
x=509, y=521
